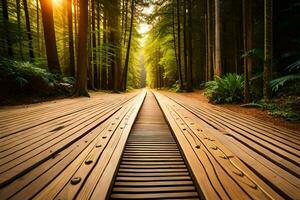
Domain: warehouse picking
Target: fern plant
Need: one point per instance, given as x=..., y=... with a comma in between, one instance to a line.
x=228, y=89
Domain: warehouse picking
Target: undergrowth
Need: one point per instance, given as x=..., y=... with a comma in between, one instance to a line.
x=28, y=78
x=227, y=89
x=286, y=108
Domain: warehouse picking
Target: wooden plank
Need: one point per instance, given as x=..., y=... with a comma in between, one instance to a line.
x=155, y=195
x=182, y=119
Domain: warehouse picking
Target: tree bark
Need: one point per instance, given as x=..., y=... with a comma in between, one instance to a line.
x=179, y=41
x=104, y=50
x=218, y=59
x=115, y=41
x=185, y=46
x=71, y=40
x=124, y=82
x=49, y=35
x=19, y=28
x=268, y=49
x=246, y=49
x=81, y=83
x=38, y=27
x=98, y=45
x=175, y=48
x=6, y=24
x=28, y=29
x=190, y=48
x=94, y=54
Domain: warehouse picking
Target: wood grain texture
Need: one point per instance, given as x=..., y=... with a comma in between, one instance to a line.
x=241, y=156
x=152, y=166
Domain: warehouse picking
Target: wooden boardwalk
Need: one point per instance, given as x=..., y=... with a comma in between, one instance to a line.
x=234, y=156
x=152, y=165
x=95, y=149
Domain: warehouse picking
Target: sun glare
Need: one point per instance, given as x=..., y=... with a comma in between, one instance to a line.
x=57, y=2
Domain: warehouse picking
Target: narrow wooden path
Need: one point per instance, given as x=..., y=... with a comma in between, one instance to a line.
x=134, y=146
x=152, y=165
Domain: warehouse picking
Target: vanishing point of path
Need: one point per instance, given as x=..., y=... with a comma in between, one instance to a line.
x=143, y=145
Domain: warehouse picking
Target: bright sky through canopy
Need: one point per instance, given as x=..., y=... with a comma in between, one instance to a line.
x=144, y=27
x=57, y=2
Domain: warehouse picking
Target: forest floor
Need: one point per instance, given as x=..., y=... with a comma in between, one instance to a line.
x=254, y=112
x=25, y=101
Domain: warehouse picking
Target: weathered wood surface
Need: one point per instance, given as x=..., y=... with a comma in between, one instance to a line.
x=152, y=166
x=234, y=156
x=79, y=149
x=63, y=150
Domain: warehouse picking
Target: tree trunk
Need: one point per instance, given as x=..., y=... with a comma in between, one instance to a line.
x=190, y=48
x=179, y=42
x=175, y=48
x=71, y=41
x=98, y=44
x=6, y=24
x=19, y=28
x=126, y=21
x=115, y=41
x=209, y=42
x=185, y=46
x=81, y=83
x=28, y=29
x=38, y=27
x=268, y=49
x=104, y=57
x=124, y=82
x=246, y=23
x=49, y=35
x=94, y=54
x=218, y=59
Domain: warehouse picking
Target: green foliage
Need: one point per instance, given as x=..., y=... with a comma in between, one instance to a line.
x=228, y=89
x=25, y=77
x=159, y=48
x=286, y=108
x=255, y=54
x=281, y=81
x=176, y=87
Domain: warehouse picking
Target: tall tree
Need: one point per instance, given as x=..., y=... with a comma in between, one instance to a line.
x=105, y=53
x=49, y=35
x=28, y=29
x=94, y=43
x=268, y=48
x=37, y=7
x=175, y=45
x=81, y=83
x=247, y=37
x=179, y=40
x=71, y=40
x=98, y=44
x=125, y=72
x=185, y=45
x=115, y=41
x=18, y=7
x=6, y=24
x=190, y=47
x=218, y=59
x=209, y=42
